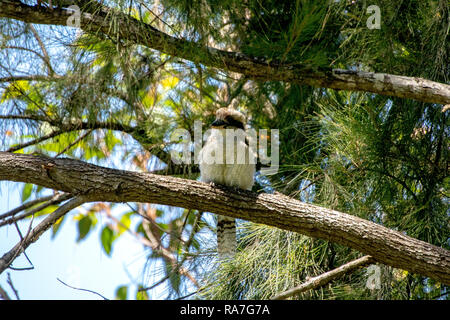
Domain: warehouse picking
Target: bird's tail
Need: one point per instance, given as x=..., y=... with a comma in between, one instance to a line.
x=226, y=237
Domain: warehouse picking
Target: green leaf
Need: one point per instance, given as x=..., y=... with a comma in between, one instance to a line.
x=111, y=140
x=56, y=226
x=125, y=223
x=140, y=229
x=141, y=294
x=46, y=210
x=122, y=293
x=84, y=226
x=107, y=237
x=15, y=90
x=26, y=191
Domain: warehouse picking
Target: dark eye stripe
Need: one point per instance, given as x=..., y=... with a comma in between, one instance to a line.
x=234, y=123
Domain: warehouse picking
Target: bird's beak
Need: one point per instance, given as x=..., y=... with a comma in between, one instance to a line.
x=218, y=123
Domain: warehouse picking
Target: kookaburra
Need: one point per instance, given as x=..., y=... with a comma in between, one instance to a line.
x=232, y=169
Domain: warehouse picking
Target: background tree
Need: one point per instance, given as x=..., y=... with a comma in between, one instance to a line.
x=117, y=88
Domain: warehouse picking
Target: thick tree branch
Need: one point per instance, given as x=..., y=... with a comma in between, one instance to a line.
x=325, y=278
x=96, y=18
x=135, y=132
x=97, y=183
x=29, y=78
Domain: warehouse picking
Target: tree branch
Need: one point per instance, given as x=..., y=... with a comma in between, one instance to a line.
x=325, y=278
x=81, y=289
x=97, y=183
x=55, y=199
x=29, y=78
x=8, y=258
x=45, y=55
x=98, y=18
x=35, y=141
x=25, y=206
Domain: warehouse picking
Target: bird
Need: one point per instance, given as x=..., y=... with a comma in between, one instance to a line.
x=235, y=170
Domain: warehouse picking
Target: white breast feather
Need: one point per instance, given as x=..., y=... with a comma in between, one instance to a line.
x=230, y=174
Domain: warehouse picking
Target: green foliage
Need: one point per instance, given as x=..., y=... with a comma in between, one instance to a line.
x=122, y=293
x=107, y=238
x=84, y=226
x=412, y=39
x=26, y=191
x=270, y=261
x=383, y=159
x=57, y=226
x=141, y=295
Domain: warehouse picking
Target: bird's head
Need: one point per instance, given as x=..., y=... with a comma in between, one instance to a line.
x=227, y=118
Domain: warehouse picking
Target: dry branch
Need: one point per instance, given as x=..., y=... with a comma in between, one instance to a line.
x=96, y=18
x=52, y=200
x=8, y=258
x=325, y=278
x=97, y=183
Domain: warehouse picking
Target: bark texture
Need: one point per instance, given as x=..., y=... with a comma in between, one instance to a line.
x=96, y=18
x=95, y=183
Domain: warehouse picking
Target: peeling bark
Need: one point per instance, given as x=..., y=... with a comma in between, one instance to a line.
x=95, y=183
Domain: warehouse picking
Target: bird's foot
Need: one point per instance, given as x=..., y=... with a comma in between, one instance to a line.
x=212, y=184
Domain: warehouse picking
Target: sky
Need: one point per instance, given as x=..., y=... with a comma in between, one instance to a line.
x=82, y=265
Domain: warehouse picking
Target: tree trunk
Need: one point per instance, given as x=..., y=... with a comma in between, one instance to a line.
x=95, y=183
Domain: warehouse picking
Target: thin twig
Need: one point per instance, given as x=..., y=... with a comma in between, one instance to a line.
x=25, y=206
x=34, y=77
x=9, y=281
x=21, y=239
x=34, y=117
x=55, y=199
x=81, y=289
x=191, y=294
x=194, y=230
x=35, y=141
x=3, y=294
x=84, y=135
x=29, y=50
x=160, y=281
x=46, y=223
x=45, y=57
x=18, y=251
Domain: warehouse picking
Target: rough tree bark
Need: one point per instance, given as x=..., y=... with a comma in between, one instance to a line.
x=95, y=183
x=97, y=18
